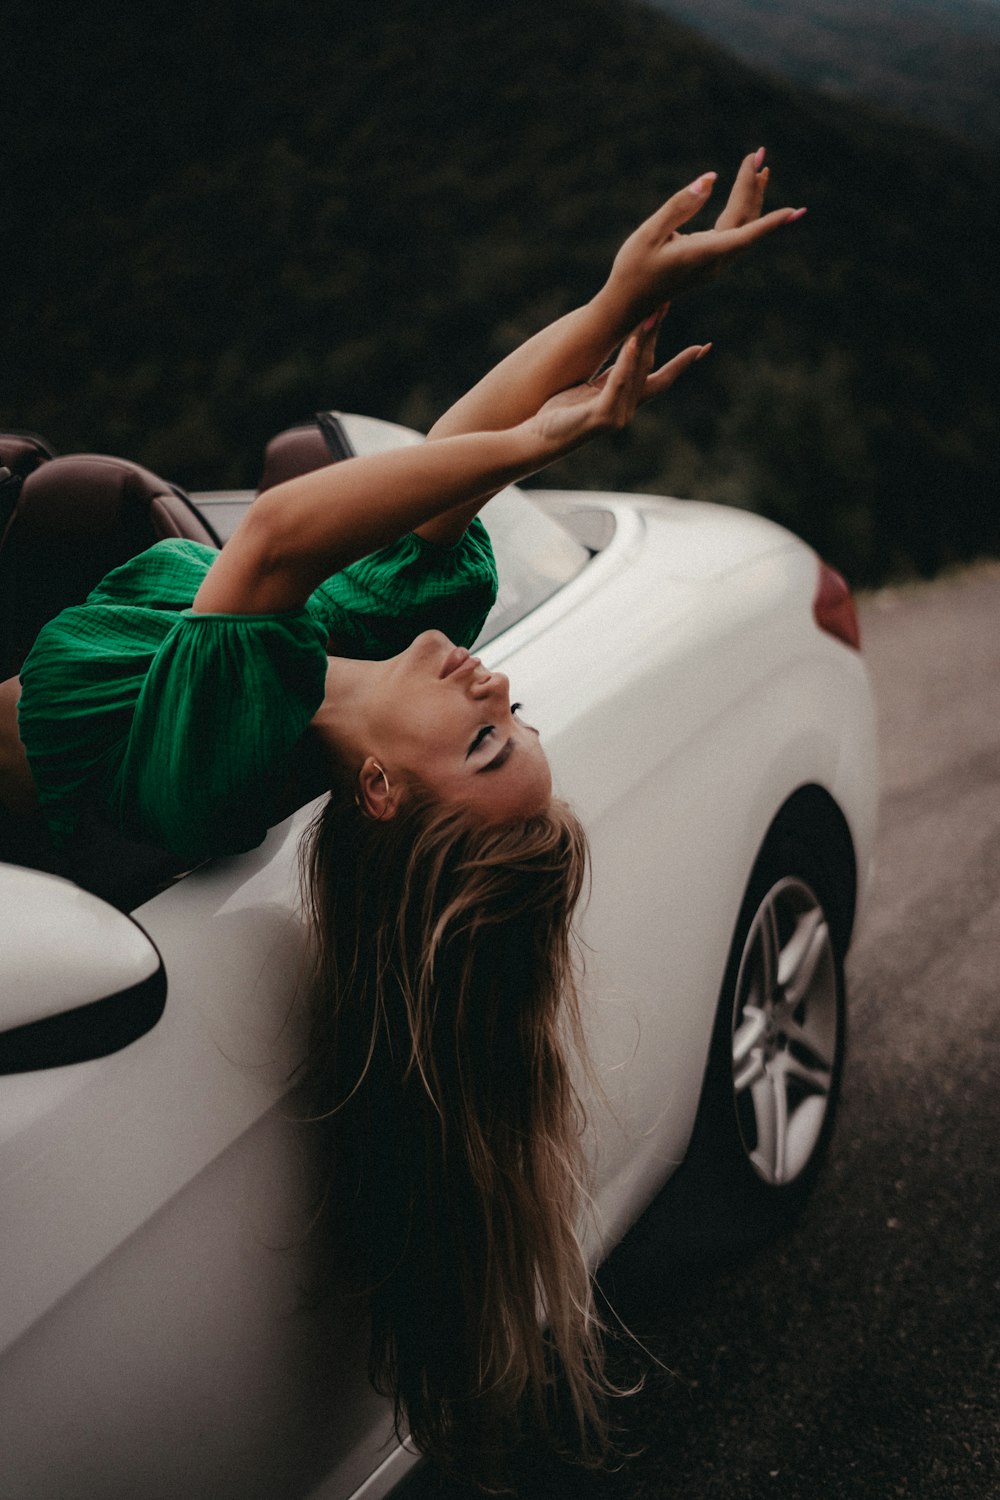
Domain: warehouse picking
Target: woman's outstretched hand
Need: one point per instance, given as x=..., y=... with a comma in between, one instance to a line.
x=609, y=401
x=657, y=260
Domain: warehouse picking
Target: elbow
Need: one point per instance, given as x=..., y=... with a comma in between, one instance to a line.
x=251, y=574
x=264, y=535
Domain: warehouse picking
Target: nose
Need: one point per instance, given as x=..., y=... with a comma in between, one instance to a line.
x=493, y=685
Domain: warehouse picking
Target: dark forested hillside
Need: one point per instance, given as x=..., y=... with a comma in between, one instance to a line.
x=935, y=61
x=218, y=221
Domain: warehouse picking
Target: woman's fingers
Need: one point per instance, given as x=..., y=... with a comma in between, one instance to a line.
x=664, y=377
x=632, y=379
x=625, y=381
x=610, y=400
x=747, y=196
x=748, y=234
x=744, y=203
x=743, y=211
x=740, y=203
x=681, y=207
x=620, y=380
x=645, y=337
x=717, y=246
x=659, y=260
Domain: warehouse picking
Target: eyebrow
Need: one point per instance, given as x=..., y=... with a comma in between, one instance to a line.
x=501, y=758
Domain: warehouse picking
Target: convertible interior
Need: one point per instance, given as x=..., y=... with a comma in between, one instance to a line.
x=66, y=521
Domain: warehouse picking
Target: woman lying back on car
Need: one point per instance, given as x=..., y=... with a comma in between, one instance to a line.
x=442, y=874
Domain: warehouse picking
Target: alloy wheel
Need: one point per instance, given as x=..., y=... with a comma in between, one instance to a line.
x=785, y=1025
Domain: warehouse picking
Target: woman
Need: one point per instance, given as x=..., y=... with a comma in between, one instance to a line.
x=441, y=874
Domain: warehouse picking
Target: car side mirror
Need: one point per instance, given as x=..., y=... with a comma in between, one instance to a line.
x=78, y=979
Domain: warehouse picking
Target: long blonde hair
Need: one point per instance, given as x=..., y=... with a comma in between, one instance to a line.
x=446, y=1009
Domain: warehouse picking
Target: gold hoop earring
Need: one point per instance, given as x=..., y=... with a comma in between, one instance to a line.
x=362, y=805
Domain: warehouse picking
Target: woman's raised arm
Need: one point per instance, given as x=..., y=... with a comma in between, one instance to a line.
x=654, y=263
x=300, y=532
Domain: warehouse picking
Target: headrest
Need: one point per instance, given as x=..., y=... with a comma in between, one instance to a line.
x=77, y=518
x=300, y=450
x=22, y=451
x=88, y=494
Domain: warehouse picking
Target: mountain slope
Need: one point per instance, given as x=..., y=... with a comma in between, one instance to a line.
x=935, y=61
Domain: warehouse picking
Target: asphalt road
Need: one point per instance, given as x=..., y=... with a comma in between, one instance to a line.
x=858, y=1358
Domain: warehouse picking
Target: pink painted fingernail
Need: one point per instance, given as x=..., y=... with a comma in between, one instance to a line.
x=798, y=214
x=758, y=160
x=703, y=184
x=704, y=350
x=650, y=322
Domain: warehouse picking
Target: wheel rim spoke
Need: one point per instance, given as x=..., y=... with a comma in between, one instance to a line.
x=752, y=1069
x=748, y=1056
x=788, y=1066
x=785, y=1024
x=750, y=1034
x=770, y=1106
x=804, y=1038
x=770, y=948
x=801, y=955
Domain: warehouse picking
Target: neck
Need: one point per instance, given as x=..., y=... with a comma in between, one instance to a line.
x=340, y=718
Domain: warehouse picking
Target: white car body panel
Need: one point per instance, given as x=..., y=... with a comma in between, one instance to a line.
x=156, y=1338
x=778, y=689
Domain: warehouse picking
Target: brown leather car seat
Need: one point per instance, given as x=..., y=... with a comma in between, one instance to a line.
x=23, y=451
x=300, y=450
x=75, y=519
x=20, y=452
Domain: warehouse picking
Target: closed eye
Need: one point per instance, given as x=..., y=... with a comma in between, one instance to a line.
x=501, y=758
x=481, y=734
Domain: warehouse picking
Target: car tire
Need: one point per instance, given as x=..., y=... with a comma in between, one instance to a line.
x=772, y=1082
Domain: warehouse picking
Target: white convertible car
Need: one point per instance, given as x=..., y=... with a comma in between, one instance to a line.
x=695, y=676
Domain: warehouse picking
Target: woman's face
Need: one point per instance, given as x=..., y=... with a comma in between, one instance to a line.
x=436, y=715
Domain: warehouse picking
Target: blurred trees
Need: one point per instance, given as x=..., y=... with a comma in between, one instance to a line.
x=219, y=221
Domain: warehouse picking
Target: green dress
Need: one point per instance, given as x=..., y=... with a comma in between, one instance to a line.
x=181, y=727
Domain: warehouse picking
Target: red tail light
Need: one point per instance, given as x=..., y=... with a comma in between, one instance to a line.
x=833, y=607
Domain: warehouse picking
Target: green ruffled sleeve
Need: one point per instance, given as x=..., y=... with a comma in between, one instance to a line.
x=377, y=605
x=223, y=704
x=177, y=726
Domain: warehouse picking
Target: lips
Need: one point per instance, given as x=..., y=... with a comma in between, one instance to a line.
x=457, y=657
